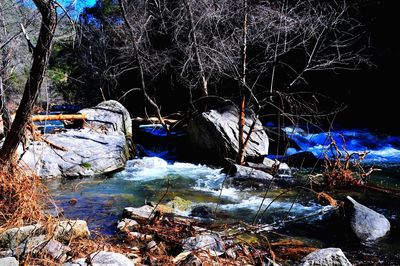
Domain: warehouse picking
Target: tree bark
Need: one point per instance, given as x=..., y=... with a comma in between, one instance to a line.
x=196, y=50
x=5, y=115
x=140, y=66
x=41, y=56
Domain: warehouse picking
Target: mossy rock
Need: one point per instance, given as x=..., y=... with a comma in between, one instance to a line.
x=180, y=204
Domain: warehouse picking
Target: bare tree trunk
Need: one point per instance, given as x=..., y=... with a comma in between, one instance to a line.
x=5, y=115
x=196, y=50
x=41, y=56
x=139, y=62
x=242, y=121
x=244, y=44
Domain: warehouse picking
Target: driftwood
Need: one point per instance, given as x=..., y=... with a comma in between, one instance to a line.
x=153, y=120
x=41, y=118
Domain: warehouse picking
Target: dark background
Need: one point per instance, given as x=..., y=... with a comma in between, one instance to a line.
x=372, y=94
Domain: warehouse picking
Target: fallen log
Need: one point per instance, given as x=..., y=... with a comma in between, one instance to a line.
x=41, y=118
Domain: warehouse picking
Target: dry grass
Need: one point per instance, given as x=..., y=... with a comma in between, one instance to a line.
x=23, y=198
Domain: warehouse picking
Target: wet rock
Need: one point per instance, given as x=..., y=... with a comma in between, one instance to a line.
x=214, y=136
x=245, y=176
x=367, y=224
x=102, y=147
x=142, y=213
x=326, y=257
x=65, y=231
x=10, y=261
x=209, y=242
x=202, y=212
x=103, y=258
x=180, y=204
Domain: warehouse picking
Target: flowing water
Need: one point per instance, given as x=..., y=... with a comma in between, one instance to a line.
x=101, y=200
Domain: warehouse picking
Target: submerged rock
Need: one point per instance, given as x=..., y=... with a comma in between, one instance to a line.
x=367, y=224
x=326, y=257
x=102, y=146
x=202, y=212
x=177, y=203
x=214, y=135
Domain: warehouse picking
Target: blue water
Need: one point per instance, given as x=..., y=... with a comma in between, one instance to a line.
x=383, y=149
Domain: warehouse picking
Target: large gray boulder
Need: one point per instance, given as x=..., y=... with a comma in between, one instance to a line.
x=326, y=257
x=214, y=135
x=102, y=146
x=367, y=224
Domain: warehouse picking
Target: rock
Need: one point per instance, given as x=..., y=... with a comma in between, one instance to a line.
x=326, y=257
x=10, y=261
x=126, y=224
x=12, y=238
x=110, y=115
x=209, y=242
x=245, y=176
x=214, y=136
x=110, y=259
x=102, y=147
x=180, y=204
x=42, y=244
x=142, y=213
x=202, y=212
x=367, y=224
x=103, y=258
x=64, y=231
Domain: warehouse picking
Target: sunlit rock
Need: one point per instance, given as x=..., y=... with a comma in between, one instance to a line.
x=214, y=136
x=367, y=224
x=326, y=257
x=102, y=146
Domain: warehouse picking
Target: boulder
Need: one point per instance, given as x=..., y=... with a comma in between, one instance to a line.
x=9, y=261
x=103, y=258
x=326, y=257
x=214, y=135
x=102, y=146
x=109, y=116
x=206, y=241
x=367, y=224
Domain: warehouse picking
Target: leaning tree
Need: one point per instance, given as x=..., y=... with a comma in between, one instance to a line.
x=41, y=54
